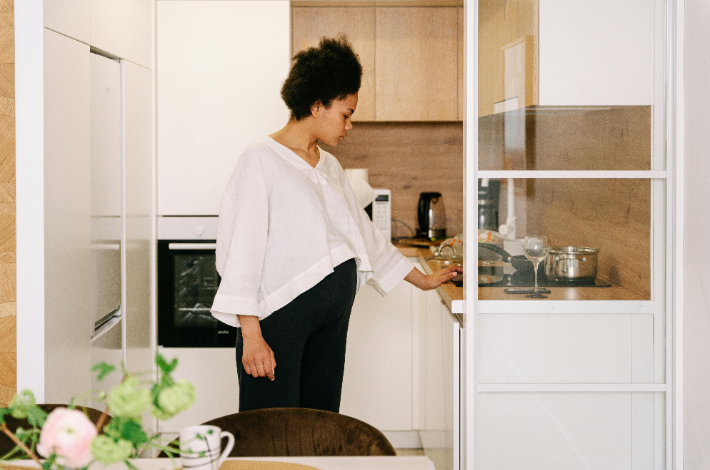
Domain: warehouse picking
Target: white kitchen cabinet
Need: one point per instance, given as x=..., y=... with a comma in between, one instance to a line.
x=69, y=17
x=379, y=383
x=439, y=381
x=213, y=372
x=66, y=285
x=596, y=53
x=138, y=215
x=218, y=91
x=123, y=28
x=105, y=137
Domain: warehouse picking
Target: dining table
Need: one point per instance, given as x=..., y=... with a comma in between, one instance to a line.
x=266, y=463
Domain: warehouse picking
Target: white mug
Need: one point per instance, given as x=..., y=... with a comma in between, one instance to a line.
x=200, y=447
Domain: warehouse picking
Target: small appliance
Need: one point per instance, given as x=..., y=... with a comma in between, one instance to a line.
x=380, y=211
x=431, y=215
x=488, y=197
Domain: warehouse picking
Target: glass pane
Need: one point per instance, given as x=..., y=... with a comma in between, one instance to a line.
x=566, y=138
x=196, y=283
x=570, y=85
x=612, y=217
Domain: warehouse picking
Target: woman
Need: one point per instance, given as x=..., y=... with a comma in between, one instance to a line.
x=293, y=245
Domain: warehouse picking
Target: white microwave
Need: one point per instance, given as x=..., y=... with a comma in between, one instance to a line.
x=380, y=211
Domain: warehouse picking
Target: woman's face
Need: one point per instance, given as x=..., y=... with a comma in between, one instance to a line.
x=333, y=123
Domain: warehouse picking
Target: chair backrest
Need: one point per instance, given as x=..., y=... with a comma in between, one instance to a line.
x=294, y=432
x=6, y=444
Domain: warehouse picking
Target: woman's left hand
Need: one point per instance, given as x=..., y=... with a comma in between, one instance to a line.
x=432, y=281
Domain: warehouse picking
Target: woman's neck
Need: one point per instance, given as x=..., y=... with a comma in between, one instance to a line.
x=297, y=136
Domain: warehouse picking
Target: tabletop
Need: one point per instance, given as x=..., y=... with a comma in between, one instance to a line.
x=269, y=463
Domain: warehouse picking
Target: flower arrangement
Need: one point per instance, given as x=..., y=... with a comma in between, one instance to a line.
x=67, y=438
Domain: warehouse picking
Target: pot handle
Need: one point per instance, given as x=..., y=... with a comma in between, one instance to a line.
x=498, y=249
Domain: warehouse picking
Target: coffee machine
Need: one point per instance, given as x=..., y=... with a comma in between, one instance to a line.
x=488, y=199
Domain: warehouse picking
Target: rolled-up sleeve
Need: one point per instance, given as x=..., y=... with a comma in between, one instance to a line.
x=241, y=242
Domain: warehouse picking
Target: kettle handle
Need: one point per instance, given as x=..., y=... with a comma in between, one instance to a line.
x=422, y=212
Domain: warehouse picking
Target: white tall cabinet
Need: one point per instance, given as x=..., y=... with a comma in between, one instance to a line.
x=218, y=90
x=60, y=213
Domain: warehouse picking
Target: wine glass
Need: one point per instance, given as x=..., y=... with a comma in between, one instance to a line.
x=536, y=248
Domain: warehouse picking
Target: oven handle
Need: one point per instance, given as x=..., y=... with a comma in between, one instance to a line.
x=192, y=246
x=195, y=309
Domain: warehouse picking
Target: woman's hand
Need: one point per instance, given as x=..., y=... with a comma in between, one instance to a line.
x=432, y=281
x=257, y=357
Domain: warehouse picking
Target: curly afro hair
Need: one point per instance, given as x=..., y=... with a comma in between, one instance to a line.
x=324, y=73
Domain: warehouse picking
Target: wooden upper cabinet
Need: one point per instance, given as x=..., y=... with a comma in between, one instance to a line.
x=310, y=24
x=416, y=57
x=412, y=57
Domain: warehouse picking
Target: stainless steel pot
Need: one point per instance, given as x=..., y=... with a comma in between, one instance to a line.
x=571, y=263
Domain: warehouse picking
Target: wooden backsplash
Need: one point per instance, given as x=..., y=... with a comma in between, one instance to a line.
x=408, y=159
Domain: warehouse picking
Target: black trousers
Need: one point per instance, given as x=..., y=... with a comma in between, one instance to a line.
x=308, y=337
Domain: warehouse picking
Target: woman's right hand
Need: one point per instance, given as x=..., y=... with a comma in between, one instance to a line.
x=257, y=357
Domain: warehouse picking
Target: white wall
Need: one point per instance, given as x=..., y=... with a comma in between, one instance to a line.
x=697, y=236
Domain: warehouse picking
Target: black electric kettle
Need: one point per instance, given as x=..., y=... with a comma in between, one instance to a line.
x=432, y=216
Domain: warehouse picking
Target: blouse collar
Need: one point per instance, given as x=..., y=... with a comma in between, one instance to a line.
x=292, y=157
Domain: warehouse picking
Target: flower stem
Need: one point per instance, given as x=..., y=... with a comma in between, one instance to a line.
x=102, y=419
x=19, y=443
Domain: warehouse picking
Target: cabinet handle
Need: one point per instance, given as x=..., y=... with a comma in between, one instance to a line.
x=192, y=246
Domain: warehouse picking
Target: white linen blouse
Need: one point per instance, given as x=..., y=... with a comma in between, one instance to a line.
x=284, y=226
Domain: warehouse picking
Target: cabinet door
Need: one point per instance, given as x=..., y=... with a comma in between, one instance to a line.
x=310, y=24
x=597, y=53
x=67, y=220
x=123, y=28
x=138, y=213
x=416, y=64
x=377, y=387
x=440, y=366
x=69, y=17
x=218, y=91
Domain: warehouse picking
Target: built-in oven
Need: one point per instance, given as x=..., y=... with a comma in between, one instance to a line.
x=187, y=283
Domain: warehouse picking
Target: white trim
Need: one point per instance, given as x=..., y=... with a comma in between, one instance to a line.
x=154, y=203
x=679, y=237
x=621, y=174
x=470, y=321
x=670, y=222
x=536, y=388
x=29, y=138
x=124, y=239
x=566, y=306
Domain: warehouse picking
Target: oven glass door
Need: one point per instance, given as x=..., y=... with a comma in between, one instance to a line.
x=187, y=284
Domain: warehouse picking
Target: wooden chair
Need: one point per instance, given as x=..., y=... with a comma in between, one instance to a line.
x=300, y=432
x=6, y=444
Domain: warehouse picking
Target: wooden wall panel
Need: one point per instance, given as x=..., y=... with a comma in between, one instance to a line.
x=410, y=158
x=8, y=293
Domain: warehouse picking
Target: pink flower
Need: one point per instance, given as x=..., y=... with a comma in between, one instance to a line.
x=68, y=433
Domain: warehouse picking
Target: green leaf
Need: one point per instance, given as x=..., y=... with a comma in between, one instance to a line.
x=163, y=365
x=133, y=432
x=103, y=369
x=36, y=416
x=3, y=413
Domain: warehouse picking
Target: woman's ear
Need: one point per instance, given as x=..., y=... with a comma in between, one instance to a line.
x=317, y=108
